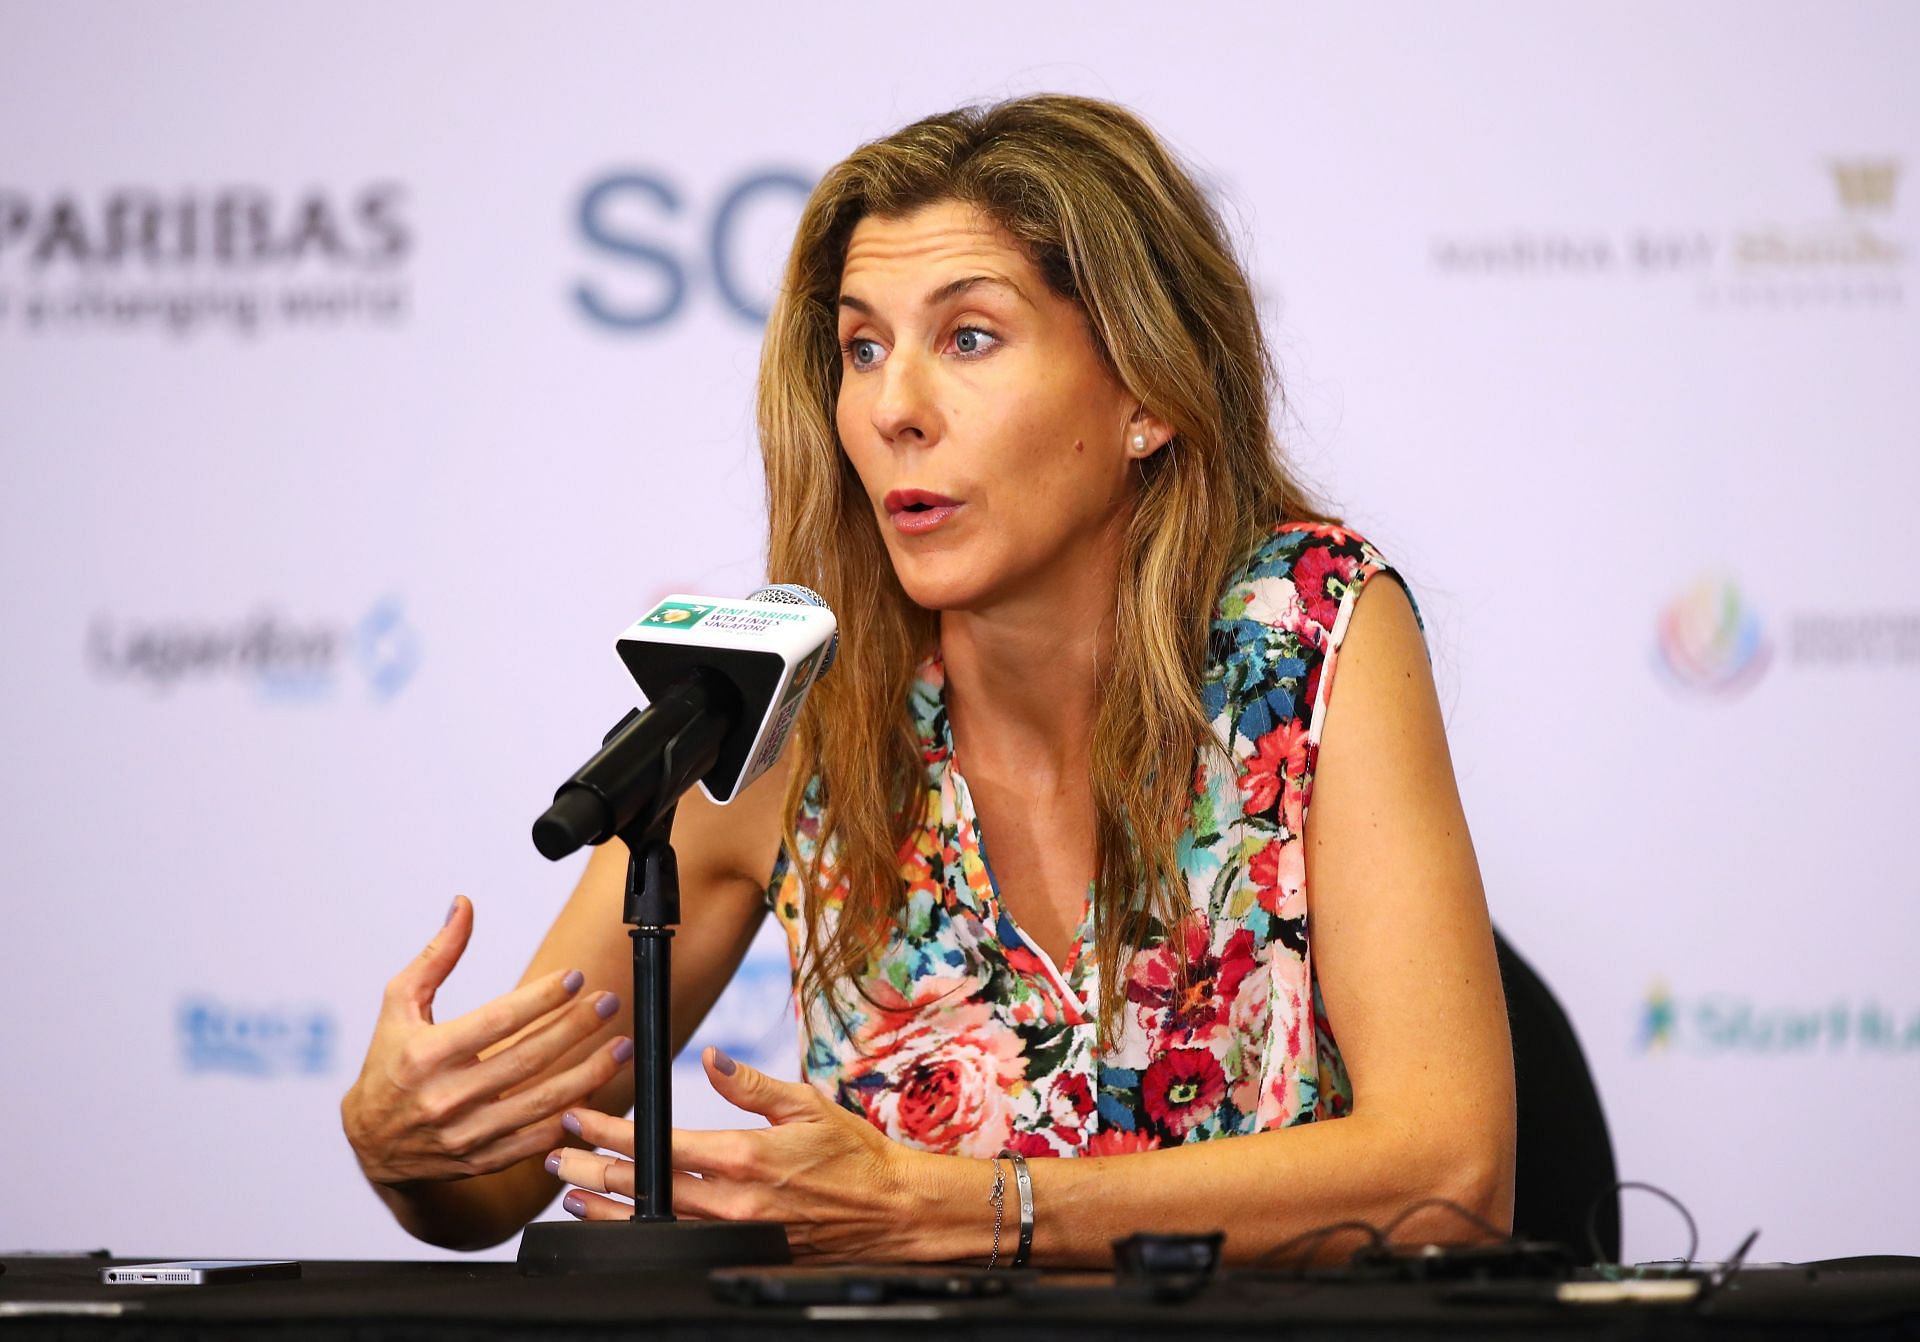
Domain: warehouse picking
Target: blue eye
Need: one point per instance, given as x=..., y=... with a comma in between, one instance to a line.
x=972, y=340
x=861, y=353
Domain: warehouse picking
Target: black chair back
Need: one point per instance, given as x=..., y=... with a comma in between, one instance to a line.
x=1563, y=1160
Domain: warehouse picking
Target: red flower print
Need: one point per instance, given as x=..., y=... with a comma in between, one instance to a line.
x=1116, y=1142
x=1316, y=574
x=1279, y=759
x=1030, y=1145
x=1070, y=1099
x=1339, y=535
x=949, y=1072
x=1026, y=964
x=1279, y=873
x=1213, y=981
x=1182, y=1089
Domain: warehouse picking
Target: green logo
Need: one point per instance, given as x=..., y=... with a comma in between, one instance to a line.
x=676, y=615
x=1722, y=1023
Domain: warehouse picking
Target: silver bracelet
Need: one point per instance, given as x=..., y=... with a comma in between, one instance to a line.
x=998, y=1197
x=1024, y=1183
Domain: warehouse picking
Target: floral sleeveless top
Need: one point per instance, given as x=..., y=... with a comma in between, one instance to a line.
x=980, y=1042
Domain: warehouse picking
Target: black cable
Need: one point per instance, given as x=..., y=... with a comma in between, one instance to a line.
x=1593, y=1217
x=1731, y=1268
x=1318, y=1233
x=1379, y=1239
x=1492, y=1231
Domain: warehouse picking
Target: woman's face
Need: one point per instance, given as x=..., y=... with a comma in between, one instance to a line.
x=990, y=437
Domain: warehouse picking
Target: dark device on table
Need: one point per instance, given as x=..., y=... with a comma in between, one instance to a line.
x=854, y=1286
x=200, y=1272
x=1167, y=1267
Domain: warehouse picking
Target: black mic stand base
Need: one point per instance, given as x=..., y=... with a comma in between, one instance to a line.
x=654, y=1239
x=572, y=1248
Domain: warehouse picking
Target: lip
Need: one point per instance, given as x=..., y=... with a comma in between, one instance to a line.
x=899, y=500
x=908, y=520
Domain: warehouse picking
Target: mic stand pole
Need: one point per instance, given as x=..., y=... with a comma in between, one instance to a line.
x=653, y=1239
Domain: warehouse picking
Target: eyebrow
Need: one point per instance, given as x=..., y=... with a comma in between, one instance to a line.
x=950, y=290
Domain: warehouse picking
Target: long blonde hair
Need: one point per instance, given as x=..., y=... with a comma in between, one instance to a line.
x=1116, y=225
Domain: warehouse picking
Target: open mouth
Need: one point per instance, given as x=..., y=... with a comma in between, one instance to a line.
x=913, y=511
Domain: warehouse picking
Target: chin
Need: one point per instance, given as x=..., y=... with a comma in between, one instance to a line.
x=942, y=595
x=944, y=582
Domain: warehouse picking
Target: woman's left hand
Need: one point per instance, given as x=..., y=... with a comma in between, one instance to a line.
x=843, y=1189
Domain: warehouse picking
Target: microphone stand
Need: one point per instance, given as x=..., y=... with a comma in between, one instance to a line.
x=654, y=1239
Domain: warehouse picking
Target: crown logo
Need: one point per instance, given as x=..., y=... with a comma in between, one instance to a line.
x=1865, y=183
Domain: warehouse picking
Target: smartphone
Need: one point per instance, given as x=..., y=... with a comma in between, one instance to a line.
x=200, y=1271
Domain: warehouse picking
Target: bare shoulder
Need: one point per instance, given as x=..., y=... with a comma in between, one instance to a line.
x=737, y=842
x=1385, y=803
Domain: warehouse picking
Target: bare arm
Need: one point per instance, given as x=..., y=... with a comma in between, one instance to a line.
x=422, y=1154
x=1404, y=952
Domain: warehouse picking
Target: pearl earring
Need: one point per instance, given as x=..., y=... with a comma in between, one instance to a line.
x=1139, y=444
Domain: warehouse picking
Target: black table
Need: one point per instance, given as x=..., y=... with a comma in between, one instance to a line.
x=63, y=1297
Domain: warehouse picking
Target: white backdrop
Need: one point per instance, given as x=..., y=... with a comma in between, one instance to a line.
x=365, y=369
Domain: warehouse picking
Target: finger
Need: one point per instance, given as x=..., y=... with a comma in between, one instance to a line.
x=751, y=1089
x=410, y=992
x=593, y=1207
x=590, y=1170
x=724, y=1154
x=545, y=1100
x=489, y=1023
x=697, y=1199
x=601, y=1130
x=536, y=1139
x=523, y=1060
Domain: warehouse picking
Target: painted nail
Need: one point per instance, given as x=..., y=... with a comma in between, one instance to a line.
x=570, y=1123
x=575, y=1204
x=452, y=909
x=605, y=1005
x=572, y=981
x=722, y=1063
x=553, y=1163
x=622, y=1049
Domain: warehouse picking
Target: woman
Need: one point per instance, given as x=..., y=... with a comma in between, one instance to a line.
x=1014, y=411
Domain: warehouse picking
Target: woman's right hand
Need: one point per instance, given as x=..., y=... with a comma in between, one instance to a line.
x=431, y=1101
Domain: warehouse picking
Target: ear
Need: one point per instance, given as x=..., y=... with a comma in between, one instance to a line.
x=1146, y=433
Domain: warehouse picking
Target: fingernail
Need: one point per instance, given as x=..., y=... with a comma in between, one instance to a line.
x=722, y=1063
x=573, y=980
x=575, y=1204
x=570, y=1123
x=553, y=1163
x=452, y=909
x=622, y=1049
x=605, y=1005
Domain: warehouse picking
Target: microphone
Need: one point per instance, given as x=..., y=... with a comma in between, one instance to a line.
x=724, y=681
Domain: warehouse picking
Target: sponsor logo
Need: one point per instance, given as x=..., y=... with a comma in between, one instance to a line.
x=245, y=259
x=1710, y=639
x=655, y=250
x=283, y=659
x=238, y=1040
x=1866, y=184
x=676, y=615
x=1844, y=257
x=1726, y=1023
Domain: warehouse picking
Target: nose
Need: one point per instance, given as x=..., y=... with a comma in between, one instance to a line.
x=903, y=408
